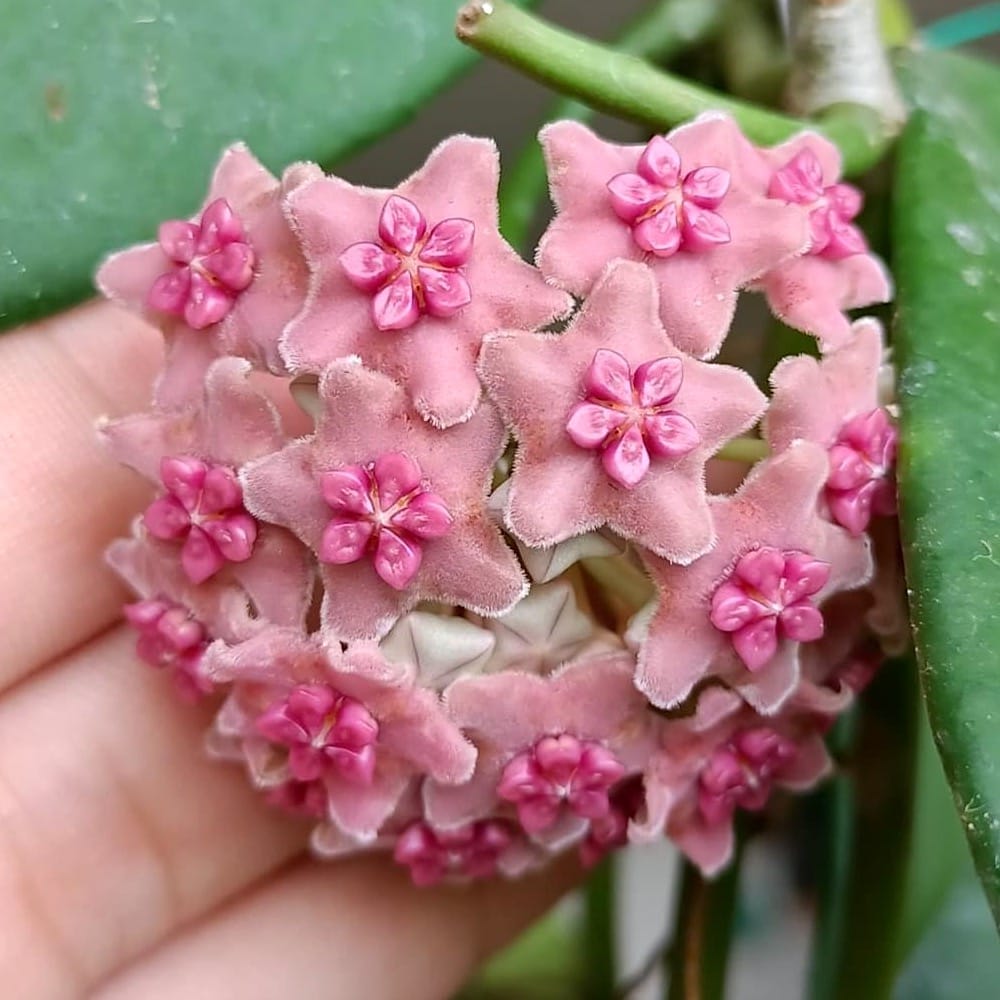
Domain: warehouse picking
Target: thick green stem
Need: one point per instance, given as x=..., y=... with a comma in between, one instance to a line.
x=599, y=931
x=660, y=32
x=633, y=89
x=697, y=959
x=744, y=449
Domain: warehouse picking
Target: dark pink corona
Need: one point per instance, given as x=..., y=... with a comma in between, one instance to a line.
x=411, y=272
x=471, y=851
x=861, y=481
x=559, y=771
x=832, y=208
x=666, y=209
x=212, y=263
x=202, y=509
x=769, y=596
x=171, y=638
x=325, y=732
x=739, y=775
x=385, y=509
x=627, y=417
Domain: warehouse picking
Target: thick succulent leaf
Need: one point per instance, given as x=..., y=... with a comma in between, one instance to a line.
x=114, y=113
x=958, y=958
x=947, y=260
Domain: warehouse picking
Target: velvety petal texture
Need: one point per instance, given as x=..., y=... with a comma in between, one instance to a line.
x=722, y=758
x=836, y=402
x=550, y=749
x=614, y=383
x=410, y=279
x=351, y=721
x=194, y=455
x=225, y=282
x=312, y=484
x=775, y=511
x=693, y=206
x=812, y=292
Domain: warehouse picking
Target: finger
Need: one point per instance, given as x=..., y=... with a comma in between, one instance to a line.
x=342, y=931
x=63, y=498
x=115, y=828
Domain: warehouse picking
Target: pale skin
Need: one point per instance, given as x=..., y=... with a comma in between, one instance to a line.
x=131, y=866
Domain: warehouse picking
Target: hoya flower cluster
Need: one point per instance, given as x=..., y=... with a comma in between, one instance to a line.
x=458, y=546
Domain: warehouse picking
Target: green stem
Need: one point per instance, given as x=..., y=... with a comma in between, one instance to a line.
x=697, y=959
x=835, y=802
x=599, y=958
x=883, y=772
x=744, y=449
x=660, y=32
x=633, y=89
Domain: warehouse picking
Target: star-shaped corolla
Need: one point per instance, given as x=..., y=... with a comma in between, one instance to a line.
x=692, y=206
x=720, y=759
x=614, y=424
x=227, y=281
x=194, y=455
x=835, y=401
x=351, y=721
x=175, y=619
x=812, y=292
x=742, y=612
x=410, y=279
x=395, y=510
x=551, y=750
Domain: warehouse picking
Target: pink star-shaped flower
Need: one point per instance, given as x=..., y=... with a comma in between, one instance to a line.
x=692, y=205
x=394, y=509
x=741, y=612
x=409, y=280
x=835, y=402
x=194, y=455
x=551, y=750
x=175, y=619
x=351, y=721
x=838, y=272
x=470, y=852
x=614, y=424
x=721, y=759
x=227, y=281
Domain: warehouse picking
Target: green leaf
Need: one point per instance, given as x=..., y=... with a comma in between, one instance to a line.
x=958, y=958
x=114, y=113
x=946, y=225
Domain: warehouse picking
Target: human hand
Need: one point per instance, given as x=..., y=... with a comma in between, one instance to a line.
x=131, y=866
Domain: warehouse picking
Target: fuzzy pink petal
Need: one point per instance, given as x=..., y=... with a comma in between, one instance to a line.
x=708, y=847
x=812, y=399
x=559, y=489
x=811, y=293
x=458, y=182
x=586, y=232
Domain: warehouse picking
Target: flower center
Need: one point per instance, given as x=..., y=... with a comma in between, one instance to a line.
x=831, y=208
x=171, y=638
x=325, y=732
x=471, y=851
x=770, y=596
x=557, y=771
x=382, y=508
x=213, y=263
x=669, y=211
x=202, y=508
x=741, y=773
x=627, y=417
x=861, y=482
x=411, y=272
